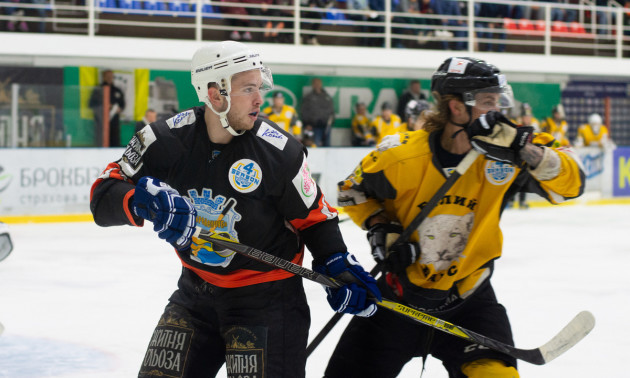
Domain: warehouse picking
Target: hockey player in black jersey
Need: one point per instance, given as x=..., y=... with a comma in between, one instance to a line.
x=221, y=168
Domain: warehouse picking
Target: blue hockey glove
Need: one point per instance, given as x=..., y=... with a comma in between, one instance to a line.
x=394, y=257
x=359, y=292
x=173, y=217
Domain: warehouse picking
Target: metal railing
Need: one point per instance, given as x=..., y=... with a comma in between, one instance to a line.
x=588, y=30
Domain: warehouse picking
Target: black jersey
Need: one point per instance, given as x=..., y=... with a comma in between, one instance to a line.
x=256, y=190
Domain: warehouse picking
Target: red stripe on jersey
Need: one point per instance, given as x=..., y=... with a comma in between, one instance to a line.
x=323, y=212
x=244, y=277
x=128, y=210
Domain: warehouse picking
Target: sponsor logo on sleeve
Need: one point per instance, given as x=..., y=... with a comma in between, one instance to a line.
x=498, y=173
x=245, y=175
x=182, y=119
x=138, y=145
x=305, y=185
x=272, y=136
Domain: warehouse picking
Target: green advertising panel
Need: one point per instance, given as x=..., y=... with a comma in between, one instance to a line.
x=171, y=92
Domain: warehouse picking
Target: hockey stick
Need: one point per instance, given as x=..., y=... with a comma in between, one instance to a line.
x=570, y=335
x=461, y=168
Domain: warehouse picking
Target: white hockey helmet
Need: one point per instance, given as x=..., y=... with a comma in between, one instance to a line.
x=595, y=120
x=217, y=62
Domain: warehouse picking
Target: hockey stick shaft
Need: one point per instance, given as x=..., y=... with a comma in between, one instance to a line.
x=461, y=168
x=575, y=331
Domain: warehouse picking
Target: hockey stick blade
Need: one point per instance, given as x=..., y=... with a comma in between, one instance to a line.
x=570, y=335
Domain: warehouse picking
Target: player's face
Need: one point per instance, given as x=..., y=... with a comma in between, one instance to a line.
x=246, y=97
x=485, y=101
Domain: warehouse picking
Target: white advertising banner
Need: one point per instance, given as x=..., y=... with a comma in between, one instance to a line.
x=50, y=180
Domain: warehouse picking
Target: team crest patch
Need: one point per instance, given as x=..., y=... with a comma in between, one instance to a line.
x=305, y=184
x=498, y=173
x=218, y=215
x=245, y=175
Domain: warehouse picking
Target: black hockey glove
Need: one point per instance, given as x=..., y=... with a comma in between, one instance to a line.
x=397, y=257
x=495, y=136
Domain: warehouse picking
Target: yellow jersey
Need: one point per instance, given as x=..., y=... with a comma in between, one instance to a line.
x=558, y=130
x=383, y=128
x=589, y=137
x=286, y=118
x=461, y=237
x=361, y=128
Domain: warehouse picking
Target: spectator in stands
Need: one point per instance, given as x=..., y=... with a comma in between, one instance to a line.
x=560, y=14
x=556, y=125
x=274, y=27
x=408, y=7
x=16, y=18
x=283, y=115
x=149, y=116
x=456, y=27
x=593, y=134
x=626, y=18
x=318, y=111
x=488, y=30
x=236, y=20
x=527, y=117
x=362, y=134
x=363, y=7
x=116, y=106
x=413, y=92
x=315, y=16
x=387, y=123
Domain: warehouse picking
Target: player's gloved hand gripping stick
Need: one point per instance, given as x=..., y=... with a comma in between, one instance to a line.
x=570, y=335
x=173, y=217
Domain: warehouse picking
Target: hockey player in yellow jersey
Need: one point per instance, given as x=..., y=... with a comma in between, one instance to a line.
x=283, y=115
x=446, y=266
x=593, y=134
x=387, y=123
x=556, y=125
x=362, y=133
x=415, y=115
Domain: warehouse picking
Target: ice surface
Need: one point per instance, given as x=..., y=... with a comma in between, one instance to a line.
x=78, y=300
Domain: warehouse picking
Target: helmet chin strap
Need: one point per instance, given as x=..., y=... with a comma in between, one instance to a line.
x=463, y=125
x=223, y=117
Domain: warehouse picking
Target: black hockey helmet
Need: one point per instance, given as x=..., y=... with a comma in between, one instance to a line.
x=415, y=107
x=467, y=77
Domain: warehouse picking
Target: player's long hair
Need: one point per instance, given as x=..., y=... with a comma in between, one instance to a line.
x=437, y=120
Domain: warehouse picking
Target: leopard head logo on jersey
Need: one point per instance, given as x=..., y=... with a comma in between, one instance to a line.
x=443, y=239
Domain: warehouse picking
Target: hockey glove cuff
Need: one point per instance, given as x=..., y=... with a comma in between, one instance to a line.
x=394, y=257
x=173, y=217
x=499, y=139
x=358, y=294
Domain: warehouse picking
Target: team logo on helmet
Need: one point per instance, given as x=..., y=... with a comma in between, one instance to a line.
x=245, y=175
x=499, y=173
